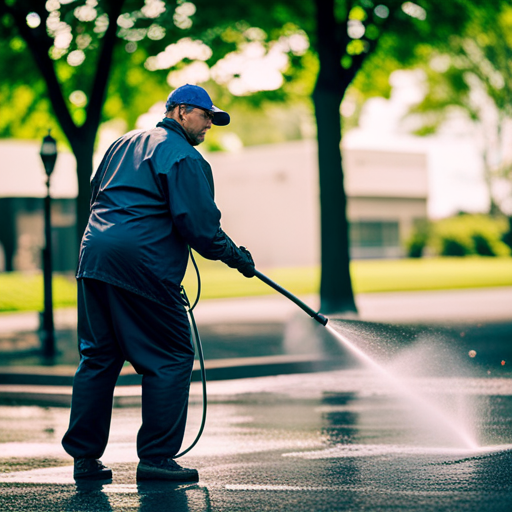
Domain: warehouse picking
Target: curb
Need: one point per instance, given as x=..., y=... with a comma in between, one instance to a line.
x=52, y=386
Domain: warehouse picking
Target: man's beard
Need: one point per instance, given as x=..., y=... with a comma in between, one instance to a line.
x=195, y=140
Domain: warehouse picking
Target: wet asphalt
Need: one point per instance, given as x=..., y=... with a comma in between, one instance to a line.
x=327, y=441
x=351, y=438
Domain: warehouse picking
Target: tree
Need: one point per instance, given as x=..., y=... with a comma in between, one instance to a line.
x=33, y=22
x=472, y=76
x=95, y=60
x=345, y=35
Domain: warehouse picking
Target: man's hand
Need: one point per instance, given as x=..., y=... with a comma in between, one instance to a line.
x=224, y=249
x=246, y=265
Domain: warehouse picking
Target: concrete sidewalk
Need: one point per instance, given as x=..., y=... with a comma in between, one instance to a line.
x=436, y=306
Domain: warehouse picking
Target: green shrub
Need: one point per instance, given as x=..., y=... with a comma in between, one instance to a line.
x=452, y=246
x=507, y=236
x=465, y=235
x=483, y=246
x=452, y=237
x=417, y=242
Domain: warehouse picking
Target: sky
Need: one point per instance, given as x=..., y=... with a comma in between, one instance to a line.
x=455, y=166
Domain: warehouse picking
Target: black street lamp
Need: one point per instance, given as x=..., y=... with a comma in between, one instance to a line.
x=48, y=156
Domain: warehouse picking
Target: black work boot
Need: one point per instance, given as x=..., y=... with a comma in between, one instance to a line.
x=166, y=469
x=91, y=469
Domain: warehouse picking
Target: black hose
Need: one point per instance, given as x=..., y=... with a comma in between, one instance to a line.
x=199, y=348
x=197, y=339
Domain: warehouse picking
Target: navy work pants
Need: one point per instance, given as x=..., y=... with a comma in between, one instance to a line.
x=114, y=326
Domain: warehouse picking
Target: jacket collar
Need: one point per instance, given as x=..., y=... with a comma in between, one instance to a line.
x=174, y=126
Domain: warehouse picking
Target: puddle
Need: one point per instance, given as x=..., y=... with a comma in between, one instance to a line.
x=376, y=450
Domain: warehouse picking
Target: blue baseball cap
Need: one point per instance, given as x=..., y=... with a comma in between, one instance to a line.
x=197, y=97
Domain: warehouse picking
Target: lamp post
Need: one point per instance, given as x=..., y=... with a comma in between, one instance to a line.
x=48, y=156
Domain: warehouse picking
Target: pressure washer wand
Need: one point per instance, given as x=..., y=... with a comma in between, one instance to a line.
x=311, y=312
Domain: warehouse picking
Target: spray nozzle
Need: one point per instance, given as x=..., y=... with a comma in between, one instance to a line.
x=321, y=319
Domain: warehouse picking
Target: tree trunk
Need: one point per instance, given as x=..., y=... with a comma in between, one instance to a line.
x=335, y=285
x=83, y=149
x=8, y=231
x=83, y=143
x=84, y=167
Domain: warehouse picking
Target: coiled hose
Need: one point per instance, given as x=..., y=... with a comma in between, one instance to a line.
x=199, y=348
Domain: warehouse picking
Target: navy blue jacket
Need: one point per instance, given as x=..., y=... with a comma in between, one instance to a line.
x=152, y=197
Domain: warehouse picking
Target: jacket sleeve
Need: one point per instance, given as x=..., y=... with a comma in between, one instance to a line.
x=195, y=214
x=193, y=210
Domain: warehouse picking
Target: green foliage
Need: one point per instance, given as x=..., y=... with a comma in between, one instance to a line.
x=133, y=86
x=472, y=75
x=466, y=235
x=462, y=235
x=371, y=81
x=224, y=27
x=397, y=42
x=418, y=240
x=507, y=236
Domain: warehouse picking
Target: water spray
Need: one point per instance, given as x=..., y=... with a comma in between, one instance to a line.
x=465, y=437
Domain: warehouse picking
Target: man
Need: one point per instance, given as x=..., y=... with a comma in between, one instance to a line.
x=152, y=198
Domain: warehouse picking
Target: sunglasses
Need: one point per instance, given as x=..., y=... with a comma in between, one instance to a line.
x=208, y=113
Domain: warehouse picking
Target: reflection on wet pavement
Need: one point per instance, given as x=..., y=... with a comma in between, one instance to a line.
x=328, y=441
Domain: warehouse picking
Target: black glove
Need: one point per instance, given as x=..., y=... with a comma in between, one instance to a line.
x=246, y=264
x=224, y=249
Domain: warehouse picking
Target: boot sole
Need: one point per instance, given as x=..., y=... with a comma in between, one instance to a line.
x=162, y=474
x=99, y=475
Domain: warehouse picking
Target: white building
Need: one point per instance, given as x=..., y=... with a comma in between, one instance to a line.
x=268, y=195
x=22, y=189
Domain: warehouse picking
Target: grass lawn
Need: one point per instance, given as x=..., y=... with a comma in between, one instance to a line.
x=24, y=292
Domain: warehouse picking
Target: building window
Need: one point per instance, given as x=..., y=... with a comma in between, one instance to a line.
x=374, y=239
